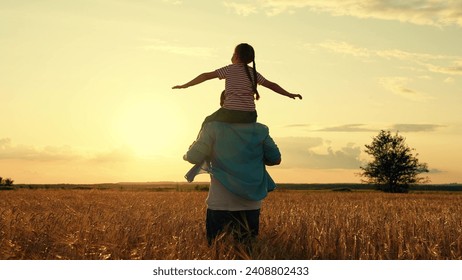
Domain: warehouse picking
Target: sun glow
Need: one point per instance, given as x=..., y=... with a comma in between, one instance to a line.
x=86, y=90
x=149, y=128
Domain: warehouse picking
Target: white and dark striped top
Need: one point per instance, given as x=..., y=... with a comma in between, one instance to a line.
x=239, y=91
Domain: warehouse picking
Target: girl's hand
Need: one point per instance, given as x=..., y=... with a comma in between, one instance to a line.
x=293, y=96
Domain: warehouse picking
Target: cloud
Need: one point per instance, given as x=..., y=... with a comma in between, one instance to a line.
x=162, y=46
x=450, y=70
x=298, y=125
x=337, y=128
x=419, y=12
x=10, y=151
x=423, y=61
x=174, y=2
x=317, y=153
x=302, y=152
x=398, y=86
x=449, y=80
x=4, y=142
x=350, y=128
x=416, y=127
x=23, y=152
x=242, y=9
x=347, y=128
x=436, y=171
x=119, y=154
x=346, y=48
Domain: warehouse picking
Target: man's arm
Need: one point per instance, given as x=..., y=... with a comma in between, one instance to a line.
x=271, y=153
x=201, y=148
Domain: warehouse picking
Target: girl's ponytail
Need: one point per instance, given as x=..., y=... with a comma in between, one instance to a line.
x=246, y=54
x=254, y=80
x=257, y=95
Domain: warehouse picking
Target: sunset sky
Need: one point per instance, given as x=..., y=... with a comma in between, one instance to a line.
x=85, y=85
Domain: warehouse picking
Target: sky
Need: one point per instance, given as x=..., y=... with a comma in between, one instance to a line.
x=85, y=85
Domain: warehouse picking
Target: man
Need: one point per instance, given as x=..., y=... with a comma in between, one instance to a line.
x=238, y=154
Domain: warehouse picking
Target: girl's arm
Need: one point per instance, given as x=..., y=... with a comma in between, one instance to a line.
x=199, y=79
x=278, y=89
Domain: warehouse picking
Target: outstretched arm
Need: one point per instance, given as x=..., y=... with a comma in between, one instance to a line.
x=199, y=79
x=278, y=89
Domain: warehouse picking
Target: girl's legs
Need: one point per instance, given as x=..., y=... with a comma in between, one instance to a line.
x=230, y=116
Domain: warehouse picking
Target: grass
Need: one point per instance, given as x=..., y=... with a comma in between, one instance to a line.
x=114, y=224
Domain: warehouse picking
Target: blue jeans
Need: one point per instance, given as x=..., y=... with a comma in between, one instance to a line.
x=243, y=225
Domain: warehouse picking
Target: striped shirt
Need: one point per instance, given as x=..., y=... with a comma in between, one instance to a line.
x=239, y=93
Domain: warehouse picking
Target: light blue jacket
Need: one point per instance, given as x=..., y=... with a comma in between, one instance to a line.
x=238, y=154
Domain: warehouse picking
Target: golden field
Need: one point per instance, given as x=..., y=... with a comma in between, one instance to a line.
x=115, y=224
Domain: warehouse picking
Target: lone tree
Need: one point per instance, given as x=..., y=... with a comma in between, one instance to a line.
x=393, y=168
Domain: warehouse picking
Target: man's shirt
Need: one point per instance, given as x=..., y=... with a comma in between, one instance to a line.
x=238, y=154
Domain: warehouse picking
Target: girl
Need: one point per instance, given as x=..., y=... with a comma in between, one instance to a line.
x=238, y=100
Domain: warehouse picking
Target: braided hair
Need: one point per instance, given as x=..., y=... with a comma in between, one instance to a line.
x=246, y=54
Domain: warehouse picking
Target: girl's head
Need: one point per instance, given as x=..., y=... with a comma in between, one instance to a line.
x=244, y=53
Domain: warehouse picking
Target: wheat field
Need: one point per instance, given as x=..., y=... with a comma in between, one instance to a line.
x=113, y=224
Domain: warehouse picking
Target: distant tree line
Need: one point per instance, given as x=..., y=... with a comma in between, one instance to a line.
x=6, y=182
